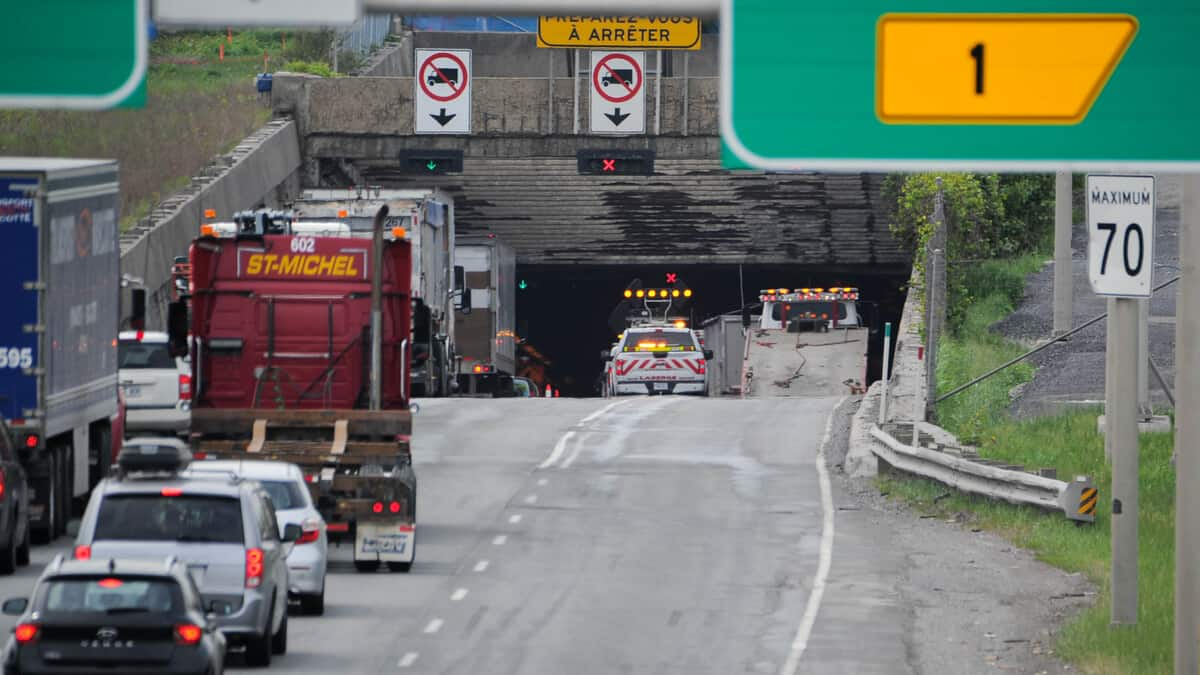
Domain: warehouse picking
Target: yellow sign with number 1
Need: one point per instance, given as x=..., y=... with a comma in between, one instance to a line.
x=995, y=68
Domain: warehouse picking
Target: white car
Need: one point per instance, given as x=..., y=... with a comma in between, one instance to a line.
x=157, y=387
x=285, y=484
x=658, y=359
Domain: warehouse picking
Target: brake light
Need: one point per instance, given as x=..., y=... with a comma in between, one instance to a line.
x=2, y=482
x=310, y=531
x=394, y=507
x=377, y=507
x=171, y=492
x=83, y=552
x=31, y=441
x=185, y=387
x=188, y=634
x=254, y=567
x=26, y=632
x=110, y=582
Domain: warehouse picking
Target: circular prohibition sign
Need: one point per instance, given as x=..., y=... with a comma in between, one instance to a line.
x=422, y=77
x=603, y=66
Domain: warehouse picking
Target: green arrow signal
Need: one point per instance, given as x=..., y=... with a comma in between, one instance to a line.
x=431, y=165
x=522, y=285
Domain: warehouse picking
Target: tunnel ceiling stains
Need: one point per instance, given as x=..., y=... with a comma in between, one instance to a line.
x=690, y=209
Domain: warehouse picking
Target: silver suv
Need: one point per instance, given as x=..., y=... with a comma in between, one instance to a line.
x=157, y=386
x=222, y=526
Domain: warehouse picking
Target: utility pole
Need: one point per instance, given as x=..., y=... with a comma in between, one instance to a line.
x=935, y=299
x=1063, y=272
x=1187, y=437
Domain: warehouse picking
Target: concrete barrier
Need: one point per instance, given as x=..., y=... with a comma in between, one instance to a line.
x=261, y=171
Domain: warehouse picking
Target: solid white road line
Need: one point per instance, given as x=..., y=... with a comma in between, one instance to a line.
x=458, y=594
x=481, y=565
x=514, y=518
x=500, y=540
x=531, y=499
x=408, y=659
x=826, y=560
x=561, y=445
x=434, y=626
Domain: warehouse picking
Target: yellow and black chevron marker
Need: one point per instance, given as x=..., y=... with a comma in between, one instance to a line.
x=1087, y=501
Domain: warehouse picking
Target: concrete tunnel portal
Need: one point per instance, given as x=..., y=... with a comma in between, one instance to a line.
x=563, y=311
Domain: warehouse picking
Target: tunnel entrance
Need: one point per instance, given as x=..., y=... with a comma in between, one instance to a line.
x=563, y=312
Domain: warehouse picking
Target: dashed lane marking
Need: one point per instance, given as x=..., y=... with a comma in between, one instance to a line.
x=514, y=518
x=459, y=594
x=408, y=659
x=481, y=565
x=800, y=643
x=531, y=499
x=500, y=540
x=543, y=481
x=561, y=445
x=434, y=626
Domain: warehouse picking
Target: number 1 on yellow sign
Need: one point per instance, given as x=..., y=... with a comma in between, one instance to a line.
x=995, y=68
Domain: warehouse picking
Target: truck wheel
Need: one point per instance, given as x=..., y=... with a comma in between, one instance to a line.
x=366, y=565
x=399, y=566
x=279, y=641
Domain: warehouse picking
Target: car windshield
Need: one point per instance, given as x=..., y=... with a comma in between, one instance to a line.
x=133, y=354
x=187, y=518
x=285, y=494
x=657, y=341
x=111, y=595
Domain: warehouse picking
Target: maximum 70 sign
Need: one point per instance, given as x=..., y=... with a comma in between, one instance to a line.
x=1120, y=215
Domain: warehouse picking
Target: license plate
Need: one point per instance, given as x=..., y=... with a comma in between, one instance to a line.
x=660, y=386
x=133, y=390
x=385, y=543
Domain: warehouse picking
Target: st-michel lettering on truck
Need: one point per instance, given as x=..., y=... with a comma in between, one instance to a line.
x=301, y=265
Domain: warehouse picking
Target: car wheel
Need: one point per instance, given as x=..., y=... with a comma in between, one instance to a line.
x=8, y=556
x=313, y=604
x=279, y=640
x=258, y=648
x=23, y=549
x=366, y=565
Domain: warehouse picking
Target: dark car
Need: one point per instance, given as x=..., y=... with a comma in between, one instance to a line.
x=113, y=616
x=14, y=505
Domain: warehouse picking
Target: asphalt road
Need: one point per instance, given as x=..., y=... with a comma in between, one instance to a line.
x=638, y=535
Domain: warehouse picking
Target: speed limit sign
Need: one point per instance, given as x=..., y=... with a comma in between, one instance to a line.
x=1120, y=215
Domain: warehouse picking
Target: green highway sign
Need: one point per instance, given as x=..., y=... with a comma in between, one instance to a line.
x=921, y=84
x=79, y=55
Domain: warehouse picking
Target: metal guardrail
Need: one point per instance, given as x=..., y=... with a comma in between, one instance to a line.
x=1077, y=499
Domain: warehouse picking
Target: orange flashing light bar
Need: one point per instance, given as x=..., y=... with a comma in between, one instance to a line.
x=658, y=293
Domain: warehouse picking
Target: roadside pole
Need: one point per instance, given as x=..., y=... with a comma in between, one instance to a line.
x=1187, y=436
x=1121, y=428
x=1110, y=350
x=887, y=363
x=1063, y=273
x=935, y=301
x=1143, y=356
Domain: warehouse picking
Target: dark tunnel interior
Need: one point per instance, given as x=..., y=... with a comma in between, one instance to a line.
x=563, y=312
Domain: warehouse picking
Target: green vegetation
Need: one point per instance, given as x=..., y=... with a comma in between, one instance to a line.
x=197, y=106
x=312, y=68
x=985, y=293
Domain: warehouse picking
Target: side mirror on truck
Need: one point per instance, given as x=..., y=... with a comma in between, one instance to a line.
x=708, y=355
x=464, y=301
x=177, y=329
x=137, y=304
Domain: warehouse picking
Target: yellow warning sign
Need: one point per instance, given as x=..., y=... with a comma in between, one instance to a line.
x=995, y=68
x=1087, y=501
x=621, y=32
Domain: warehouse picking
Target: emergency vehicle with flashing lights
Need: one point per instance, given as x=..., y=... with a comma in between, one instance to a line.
x=809, y=308
x=657, y=359
x=300, y=352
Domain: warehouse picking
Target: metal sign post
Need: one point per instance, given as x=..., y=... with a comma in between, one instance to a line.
x=1063, y=269
x=1121, y=265
x=1187, y=437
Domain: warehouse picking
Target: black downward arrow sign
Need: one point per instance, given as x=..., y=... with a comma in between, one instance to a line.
x=616, y=117
x=442, y=118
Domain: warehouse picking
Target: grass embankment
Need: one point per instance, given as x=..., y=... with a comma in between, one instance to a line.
x=1069, y=443
x=197, y=106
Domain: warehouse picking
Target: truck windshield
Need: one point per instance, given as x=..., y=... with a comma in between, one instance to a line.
x=807, y=310
x=132, y=354
x=186, y=518
x=658, y=341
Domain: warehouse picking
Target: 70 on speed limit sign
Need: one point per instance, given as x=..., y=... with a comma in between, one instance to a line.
x=1120, y=215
